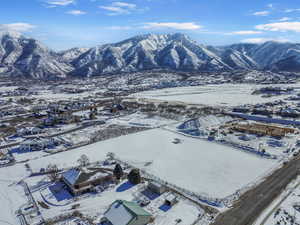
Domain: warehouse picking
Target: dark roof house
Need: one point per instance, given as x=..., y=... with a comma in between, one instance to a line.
x=83, y=180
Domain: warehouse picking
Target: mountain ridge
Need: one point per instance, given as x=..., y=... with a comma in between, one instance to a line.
x=22, y=56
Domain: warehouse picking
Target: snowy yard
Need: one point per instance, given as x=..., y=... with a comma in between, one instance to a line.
x=197, y=165
x=95, y=204
x=12, y=196
x=212, y=95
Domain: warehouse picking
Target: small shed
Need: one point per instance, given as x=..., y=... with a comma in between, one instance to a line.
x=156, y=187
x=171, y=199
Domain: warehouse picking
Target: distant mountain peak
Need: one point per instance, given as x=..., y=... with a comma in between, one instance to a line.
x=11, y=34
x=22, y=56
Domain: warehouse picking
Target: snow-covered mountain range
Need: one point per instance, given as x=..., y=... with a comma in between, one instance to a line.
x=22, y=56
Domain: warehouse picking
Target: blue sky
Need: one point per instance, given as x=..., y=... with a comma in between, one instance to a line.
x=63, y=24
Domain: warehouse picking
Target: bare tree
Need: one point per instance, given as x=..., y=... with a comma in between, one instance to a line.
x=83, y=160
x=110, y=155
x=53, y=172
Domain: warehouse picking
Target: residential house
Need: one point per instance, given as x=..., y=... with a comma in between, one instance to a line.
x=29, y=131
x=126, y=213
x=38, y=144
x=82, y=180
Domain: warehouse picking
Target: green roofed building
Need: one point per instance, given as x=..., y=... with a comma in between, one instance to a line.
x=126, y=213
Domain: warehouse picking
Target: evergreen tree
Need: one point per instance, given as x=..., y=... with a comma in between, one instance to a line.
x=118, y=172
x=134, y=176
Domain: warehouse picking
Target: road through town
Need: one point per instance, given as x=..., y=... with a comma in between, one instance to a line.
x=251, y=204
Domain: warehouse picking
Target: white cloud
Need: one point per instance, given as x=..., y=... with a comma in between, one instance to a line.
x=245, y=32
x=152, y=25
x=76, y=12
x=17, y=27
x=114, y=11
x=263, y=40
x=280, y=26
x=120, y=8
x=261, y=13
x=120, y=28
x=124, y=5
x=271, y=6
x=54, y=3
x=291, y=10
x=283, y=19
x=170, y=25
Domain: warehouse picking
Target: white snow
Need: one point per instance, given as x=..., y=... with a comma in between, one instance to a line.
x=12, y=196
x=141, y=120
x=182, y=210
x=213, y=95
x=10, y=88
x=197, y=165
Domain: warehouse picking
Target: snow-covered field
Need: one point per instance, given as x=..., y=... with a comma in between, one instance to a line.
x=197, y=165
x=10, y=88
x=213, y=95
x=62, y=96
x=141, y=120
x=12, y=196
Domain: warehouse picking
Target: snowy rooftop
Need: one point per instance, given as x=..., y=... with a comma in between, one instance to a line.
x=118, y=214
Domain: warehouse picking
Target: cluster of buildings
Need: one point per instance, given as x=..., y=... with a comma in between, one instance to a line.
x=273, y=91
x=20, y=91
x=25, y=131
x=279, y=109
x=82, y=180
x=39, y=143
x=10, y=110
x=262, y=129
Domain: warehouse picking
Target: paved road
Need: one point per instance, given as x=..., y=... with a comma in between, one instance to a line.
x=253, y=202
x=278, y=205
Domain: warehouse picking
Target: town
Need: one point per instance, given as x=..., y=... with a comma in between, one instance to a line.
x=77, y=152
x=156, y=112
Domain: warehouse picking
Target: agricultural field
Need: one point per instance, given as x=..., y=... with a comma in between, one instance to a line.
x=197, y=165
x=232, y=95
